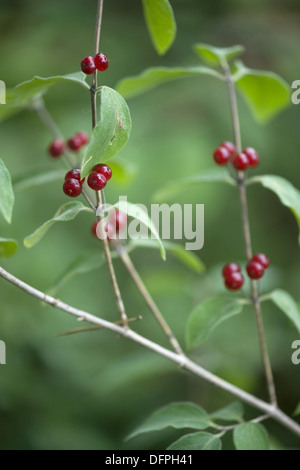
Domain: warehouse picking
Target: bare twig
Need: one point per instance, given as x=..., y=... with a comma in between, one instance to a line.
x=182, y=361
x=247, y=237
x=148, y=299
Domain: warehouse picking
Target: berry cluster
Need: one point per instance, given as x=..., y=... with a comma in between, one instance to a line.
x=58, y=146
x=89, y=64
x=226, y=153
x=255, y=268
x=73, y=183
x=99, y=176
x=116, y=223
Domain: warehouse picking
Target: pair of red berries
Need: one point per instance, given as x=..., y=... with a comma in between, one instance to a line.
x=89, y=64
x=97, y=180
x=255, y=268
x=226, y=152
x=117, y=222
x=57, y=147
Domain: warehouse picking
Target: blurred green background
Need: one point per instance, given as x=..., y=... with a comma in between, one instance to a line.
x=89, y=391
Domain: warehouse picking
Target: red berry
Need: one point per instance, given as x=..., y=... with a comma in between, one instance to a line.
x=83, y=137
x=101, y=62
x=88, y=65
x=221, y=156
x=105, y=170
x=118, y=220
x=252, y=156
x=56, y=149
x=94, y=228
x=230, y=268
x=234, y=281
x=255, y=270
x=262, y=259
x=240, y=162
x=75, y=173
x=72, y=187
x=74, y=143
x=96, y=181
x=110, y=231
x=229, y=146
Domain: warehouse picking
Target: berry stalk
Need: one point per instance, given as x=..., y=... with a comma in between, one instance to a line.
x=247, y=236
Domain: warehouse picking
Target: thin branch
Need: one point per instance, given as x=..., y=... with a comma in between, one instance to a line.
x=182, y=361
x=148, y=299
x=247, y=237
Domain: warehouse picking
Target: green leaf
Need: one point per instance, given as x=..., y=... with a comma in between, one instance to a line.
x=65, y=213
x=297, y=410
x=30, y=180
x=152, y=77
x=217, y=55
x=25, y=93
x=136, y=211
x=232, y=412
x=176, y=415
x=161, y=23
x=7, y=197
x=197, y=441
x=214, y=175
x=111, y=133
x=8, y=247
x=188, y=258
x=287, y=193
x=266, y=93
x=84, y=263
x=250, y=436
x=285, y=302
x=208, y=315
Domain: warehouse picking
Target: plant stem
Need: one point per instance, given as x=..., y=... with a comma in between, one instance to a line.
x=148, y=299
x=247, y=237
x=96, y=50
x=182, y=361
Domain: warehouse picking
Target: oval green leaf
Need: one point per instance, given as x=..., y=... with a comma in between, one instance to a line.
x=139, y=213
x=112, y=131
x=8, y=247
x=266, y=93
x=7, y=197
x=287, y=193
x=152, y=77
x=65, y=213
x=217, y=55
x=176, y=415
x=197, y=441
x=285, y=302
x=161, y=23
x=232, y=412
x=208, y=315
x=212, y=175
x=250, y=436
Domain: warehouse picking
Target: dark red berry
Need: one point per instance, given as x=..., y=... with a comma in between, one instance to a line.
x=221, y=156
x=105, y=170
x=88, y=65
x=83, y=137
x=56, y=149
x=118, y=220
x=101, y=62
x=229, y=146
x=110, y=231
x=96, y=181
x=72, y=187
x=94, y=228
x=74, y=143
x=262, y=259
x=255, y=270
x=240, y=162
x=75, y=173
x=230, y=268
x=234, y=281
x=252, y=156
